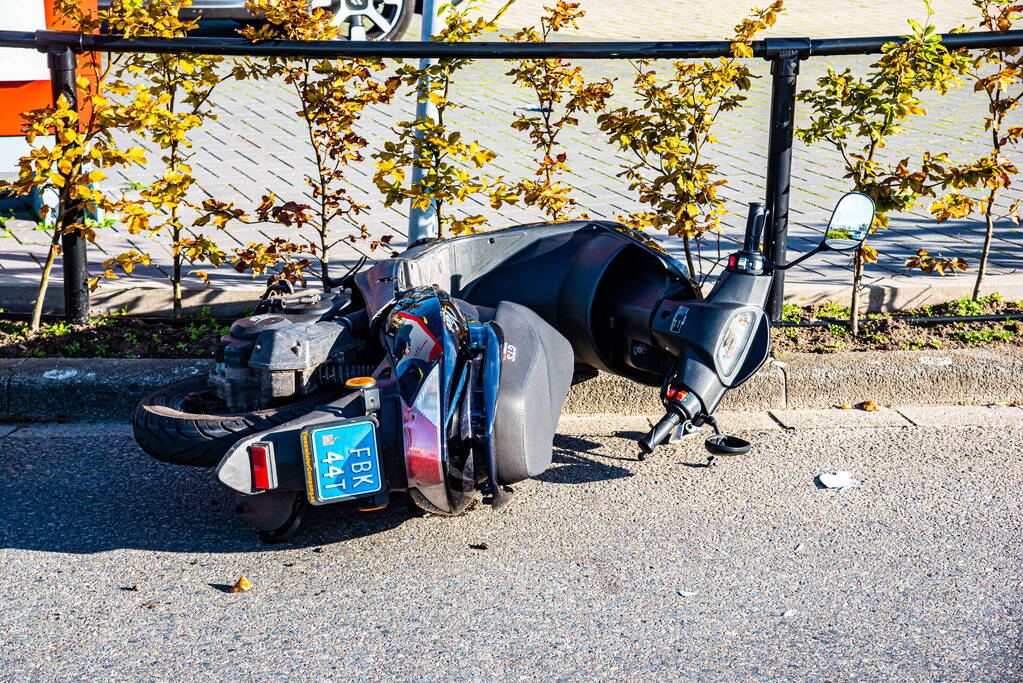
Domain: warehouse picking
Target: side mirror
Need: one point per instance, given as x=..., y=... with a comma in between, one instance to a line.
x=850, y=223
x=848, y=228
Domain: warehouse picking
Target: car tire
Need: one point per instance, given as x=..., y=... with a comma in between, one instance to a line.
x=398, y=13
x=172, y=435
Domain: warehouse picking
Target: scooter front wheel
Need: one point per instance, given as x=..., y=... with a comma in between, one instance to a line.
x=166, y=429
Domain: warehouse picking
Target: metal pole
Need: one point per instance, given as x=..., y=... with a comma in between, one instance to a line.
x=63, y=66
x=342, y=49
x=423, y=223
x=784, y=69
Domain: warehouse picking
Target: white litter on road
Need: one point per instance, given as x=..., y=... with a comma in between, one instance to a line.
x=838, y=480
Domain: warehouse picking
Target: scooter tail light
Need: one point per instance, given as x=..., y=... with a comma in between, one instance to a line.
x=422, y=434
x=264, y=466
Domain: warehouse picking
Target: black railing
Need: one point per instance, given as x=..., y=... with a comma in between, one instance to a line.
x=785, y=54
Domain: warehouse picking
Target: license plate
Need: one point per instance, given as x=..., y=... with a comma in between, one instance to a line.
x=342, y=462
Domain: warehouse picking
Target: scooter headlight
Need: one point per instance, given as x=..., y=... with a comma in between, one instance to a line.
x=734, y=341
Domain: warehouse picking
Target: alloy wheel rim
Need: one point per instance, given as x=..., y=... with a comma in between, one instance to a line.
x=381, y=15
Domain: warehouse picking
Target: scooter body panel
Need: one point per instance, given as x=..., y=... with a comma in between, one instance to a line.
x=571, y=274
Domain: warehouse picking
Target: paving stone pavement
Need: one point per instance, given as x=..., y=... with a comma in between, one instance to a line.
x=257, y=145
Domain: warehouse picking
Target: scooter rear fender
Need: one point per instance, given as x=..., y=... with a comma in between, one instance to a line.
x=235, y=472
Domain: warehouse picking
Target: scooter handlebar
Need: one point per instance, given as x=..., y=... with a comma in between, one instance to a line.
x=661, y=431
x=755, y=220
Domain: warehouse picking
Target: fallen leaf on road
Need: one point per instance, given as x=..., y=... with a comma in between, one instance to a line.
x=845, y=406
x=242, y=584
x=870, y=406
x=319, y=550
x=148, y=605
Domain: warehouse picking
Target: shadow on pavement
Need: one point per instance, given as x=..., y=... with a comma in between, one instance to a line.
x=571, y=466
x=79, y=495
x=69, y=496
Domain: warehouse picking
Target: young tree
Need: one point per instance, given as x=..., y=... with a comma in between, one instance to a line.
x=333, y=94
x=561, y=93
x=858, y=115
x=178, y=88
x=452, y=166
x=998, y=72
x=83, y=147
x=670, y=132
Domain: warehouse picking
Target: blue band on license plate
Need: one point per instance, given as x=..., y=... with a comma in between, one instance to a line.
x=342, y=462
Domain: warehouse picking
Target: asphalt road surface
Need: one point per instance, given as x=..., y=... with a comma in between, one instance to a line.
x=606, y=569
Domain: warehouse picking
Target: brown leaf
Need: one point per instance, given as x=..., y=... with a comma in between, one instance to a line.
x=870, y=406
x=242, y=584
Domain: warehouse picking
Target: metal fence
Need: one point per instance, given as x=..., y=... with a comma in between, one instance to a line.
x=785, y=55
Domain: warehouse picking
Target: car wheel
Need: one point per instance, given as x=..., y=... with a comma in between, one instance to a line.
x=382, y=19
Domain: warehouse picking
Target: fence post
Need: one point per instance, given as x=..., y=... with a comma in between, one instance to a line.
x=423, y=223
x=63, y=67
x=785, y=55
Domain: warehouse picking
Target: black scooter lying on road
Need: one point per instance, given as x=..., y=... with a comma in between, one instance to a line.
x=442, y=372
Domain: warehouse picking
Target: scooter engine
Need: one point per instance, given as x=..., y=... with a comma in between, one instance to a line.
x=274, y=357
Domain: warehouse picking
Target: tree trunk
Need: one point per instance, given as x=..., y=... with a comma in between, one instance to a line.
x=176, y=276
x=44, y=281
x=986, y=252
x=689, y=257
x=324, y=270
x=854, y=305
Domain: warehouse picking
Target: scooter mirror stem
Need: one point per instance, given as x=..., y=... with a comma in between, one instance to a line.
x=816, y=250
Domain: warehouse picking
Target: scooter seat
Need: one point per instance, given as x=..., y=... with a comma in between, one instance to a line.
x=536, y=373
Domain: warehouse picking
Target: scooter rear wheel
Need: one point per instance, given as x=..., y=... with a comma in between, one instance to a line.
x=165, y=430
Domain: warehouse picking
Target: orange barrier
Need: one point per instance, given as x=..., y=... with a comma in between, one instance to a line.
x=18, y=96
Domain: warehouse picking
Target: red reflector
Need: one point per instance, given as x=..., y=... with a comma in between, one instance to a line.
x=264, y=469
x=733, y=260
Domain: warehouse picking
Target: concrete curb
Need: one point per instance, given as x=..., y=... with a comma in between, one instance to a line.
x=231, y=299
x=89, y=389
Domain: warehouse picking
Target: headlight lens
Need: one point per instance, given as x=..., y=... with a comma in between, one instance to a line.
x=734, y=341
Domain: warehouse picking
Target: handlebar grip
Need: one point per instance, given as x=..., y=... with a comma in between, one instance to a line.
x=755, y=220
x=660, y=432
